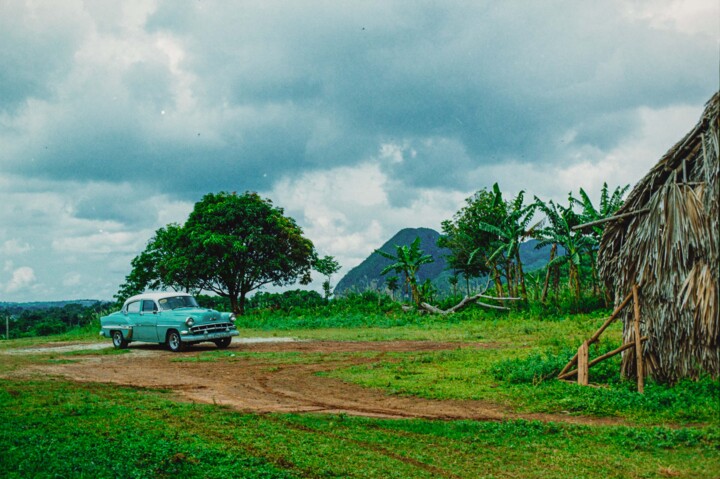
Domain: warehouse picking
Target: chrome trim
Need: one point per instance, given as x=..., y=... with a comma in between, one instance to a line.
x=212, y=328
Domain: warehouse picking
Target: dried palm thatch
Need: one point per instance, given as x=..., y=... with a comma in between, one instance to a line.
x=668, y=243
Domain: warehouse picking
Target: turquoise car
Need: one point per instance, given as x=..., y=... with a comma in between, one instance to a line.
x=173, y=319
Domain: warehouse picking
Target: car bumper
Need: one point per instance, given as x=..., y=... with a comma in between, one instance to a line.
x=189, y=337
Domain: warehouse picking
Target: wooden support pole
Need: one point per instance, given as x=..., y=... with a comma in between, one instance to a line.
x=583, y=368
x=602, y=358
x=638, y=342
x=597, y=334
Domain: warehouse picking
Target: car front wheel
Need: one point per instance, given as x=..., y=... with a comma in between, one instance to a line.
x=119, y=340
x=222, y=343
x=174, y=342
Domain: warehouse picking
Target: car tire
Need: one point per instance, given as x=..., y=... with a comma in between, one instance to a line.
x=119, y=341
x=174, y=342
x=222, y=343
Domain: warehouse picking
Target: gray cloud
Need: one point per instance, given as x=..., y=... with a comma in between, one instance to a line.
x=108, y=110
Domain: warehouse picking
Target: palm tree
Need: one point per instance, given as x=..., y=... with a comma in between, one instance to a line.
x=407, y=260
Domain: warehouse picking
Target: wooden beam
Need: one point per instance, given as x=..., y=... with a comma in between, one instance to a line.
x=638, y=342
x=597, y=334
x=611, y=218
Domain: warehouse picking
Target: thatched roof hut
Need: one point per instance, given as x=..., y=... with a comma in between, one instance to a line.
x=666, y=239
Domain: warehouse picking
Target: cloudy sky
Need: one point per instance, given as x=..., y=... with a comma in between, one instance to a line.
x=358, y=118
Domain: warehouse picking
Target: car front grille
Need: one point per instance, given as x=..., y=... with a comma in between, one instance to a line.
x=211, y=328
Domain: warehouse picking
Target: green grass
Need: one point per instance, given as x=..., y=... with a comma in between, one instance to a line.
x=59, y=429
x=482, y=327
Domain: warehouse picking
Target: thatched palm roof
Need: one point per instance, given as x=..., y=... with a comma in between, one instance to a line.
x=668, y=244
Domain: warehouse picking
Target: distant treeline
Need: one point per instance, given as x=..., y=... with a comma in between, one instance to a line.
x=32, y=319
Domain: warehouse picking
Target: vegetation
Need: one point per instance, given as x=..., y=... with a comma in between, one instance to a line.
x=108, y=431
x=31, y=321
x=326, y=266
x=485, y=236
x=468, y=244
x=230, y=245
x=407, y=261
x=81, y=430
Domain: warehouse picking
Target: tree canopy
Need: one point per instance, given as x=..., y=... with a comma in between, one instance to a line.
x=470, y=245
x=231, y=245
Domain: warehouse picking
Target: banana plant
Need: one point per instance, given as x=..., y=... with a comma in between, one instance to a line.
x=407, y=260
x=510, y=232
x=559, y=230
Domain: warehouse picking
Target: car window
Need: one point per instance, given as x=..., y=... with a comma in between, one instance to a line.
x=133, y=307
x=175, y=302
x=148, y=306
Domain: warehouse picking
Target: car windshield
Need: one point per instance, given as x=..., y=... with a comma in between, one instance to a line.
x=176, y=302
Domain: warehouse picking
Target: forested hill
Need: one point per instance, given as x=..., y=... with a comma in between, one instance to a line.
x=367, y=274
x=49, y=304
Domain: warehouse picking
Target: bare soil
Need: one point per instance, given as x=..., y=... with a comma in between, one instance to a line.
x=253, y=384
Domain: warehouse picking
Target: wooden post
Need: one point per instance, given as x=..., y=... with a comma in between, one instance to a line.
x=638, y=342
x=602, y=358
x=583, y=369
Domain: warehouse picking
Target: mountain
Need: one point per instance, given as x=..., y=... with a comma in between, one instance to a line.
x=366, y=275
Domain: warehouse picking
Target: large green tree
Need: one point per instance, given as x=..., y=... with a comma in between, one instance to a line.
x=469, y=245
x=231, y=245
x=159, y=266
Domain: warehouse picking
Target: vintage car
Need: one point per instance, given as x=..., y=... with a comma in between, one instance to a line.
x=173, y=319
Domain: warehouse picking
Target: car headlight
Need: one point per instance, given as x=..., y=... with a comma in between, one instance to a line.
x=232, y=317
x=190, y=322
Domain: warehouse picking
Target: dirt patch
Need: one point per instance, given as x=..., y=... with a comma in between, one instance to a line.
x=250, y=384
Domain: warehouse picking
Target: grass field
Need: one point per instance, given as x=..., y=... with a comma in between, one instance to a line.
x=55, y=428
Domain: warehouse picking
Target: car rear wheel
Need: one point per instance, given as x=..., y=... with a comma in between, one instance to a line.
x=222, y=343
x=174, y=342
x=119, y=340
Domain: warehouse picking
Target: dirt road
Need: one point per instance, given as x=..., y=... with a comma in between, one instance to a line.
x=258, y=384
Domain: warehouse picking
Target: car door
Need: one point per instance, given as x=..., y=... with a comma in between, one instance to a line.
x=135, y=320
x=146, y=324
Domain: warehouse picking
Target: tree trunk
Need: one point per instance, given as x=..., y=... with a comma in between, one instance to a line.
x=510, y=278
x=241, y=303
x=574, y=280
x=595, y=280
x=521, y=275
x=553, y=250
x=234, y=304
x=498, y=283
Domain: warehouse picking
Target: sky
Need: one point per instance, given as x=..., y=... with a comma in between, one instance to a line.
x=358, y=118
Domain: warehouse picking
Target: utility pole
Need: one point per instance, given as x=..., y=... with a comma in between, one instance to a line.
x=7, y=326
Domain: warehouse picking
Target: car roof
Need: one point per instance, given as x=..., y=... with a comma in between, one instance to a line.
x=154, y=295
